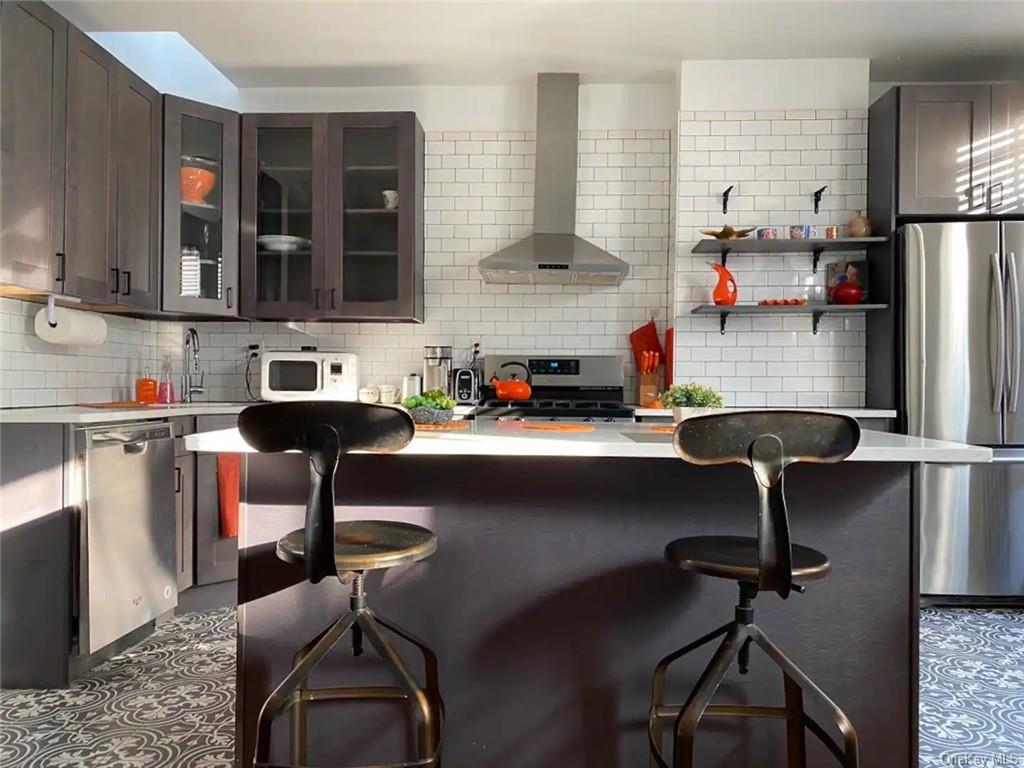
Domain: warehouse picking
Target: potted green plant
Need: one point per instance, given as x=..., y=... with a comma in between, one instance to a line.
x=689, y=400
x=432, y=407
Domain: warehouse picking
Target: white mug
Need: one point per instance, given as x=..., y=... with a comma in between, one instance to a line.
x=388, y=393
x=369, y=395
x=390, y=199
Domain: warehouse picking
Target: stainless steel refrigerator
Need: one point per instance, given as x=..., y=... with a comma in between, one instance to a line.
x=962, y=354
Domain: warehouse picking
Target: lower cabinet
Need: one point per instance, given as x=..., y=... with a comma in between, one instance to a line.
x=216, y=556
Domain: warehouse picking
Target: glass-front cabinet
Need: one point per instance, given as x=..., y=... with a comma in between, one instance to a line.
x=375, y=216
x=201, y=214
x=283, y=197
x=332, y=217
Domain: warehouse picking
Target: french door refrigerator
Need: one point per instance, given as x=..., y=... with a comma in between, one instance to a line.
x=962, y=353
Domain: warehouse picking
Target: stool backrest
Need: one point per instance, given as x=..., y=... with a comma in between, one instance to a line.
x=324, y=430
x=768, y=442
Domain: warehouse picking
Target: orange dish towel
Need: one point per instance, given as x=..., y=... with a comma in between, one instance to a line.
x=229, y=470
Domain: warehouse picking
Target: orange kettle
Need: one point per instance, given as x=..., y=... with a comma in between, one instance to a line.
x=512, y=388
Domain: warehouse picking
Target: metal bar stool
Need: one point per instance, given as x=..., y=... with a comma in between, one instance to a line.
x=767, y=442
x=347, y=550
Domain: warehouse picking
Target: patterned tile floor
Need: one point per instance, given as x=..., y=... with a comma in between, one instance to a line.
x=972, y=688
x=168, y=703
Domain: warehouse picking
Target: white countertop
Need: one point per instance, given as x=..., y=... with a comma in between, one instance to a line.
x=857, y=413
x=83, y=414
x=491, y=438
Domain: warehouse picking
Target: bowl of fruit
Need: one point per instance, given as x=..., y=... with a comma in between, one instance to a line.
x=431, y=407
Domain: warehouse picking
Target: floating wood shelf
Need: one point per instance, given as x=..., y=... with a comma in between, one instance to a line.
x=815, y=310
x=751, y=247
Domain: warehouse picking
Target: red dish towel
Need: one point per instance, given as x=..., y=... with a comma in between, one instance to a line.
x=229, y=470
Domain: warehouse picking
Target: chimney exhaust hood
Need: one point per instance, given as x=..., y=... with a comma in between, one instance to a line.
x=553, y=254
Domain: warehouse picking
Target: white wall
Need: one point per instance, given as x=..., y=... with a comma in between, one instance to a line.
x=478, y=108
x=768, y=84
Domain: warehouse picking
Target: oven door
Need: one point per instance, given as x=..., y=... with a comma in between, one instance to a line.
x=291, y=378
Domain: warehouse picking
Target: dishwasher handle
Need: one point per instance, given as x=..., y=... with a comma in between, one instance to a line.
x=133, y=440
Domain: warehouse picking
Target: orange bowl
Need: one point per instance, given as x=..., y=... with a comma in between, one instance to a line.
x=196, y=184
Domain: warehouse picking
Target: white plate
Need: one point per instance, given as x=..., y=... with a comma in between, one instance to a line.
x=283, y=243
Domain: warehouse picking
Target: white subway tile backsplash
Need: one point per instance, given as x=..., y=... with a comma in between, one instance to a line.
x=782, y=158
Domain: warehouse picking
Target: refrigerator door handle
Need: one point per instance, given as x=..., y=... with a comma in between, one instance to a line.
x=922, y=293
x=999, y=374
x=1014, y=331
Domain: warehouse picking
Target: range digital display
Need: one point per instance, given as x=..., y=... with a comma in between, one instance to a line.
x=554, y=366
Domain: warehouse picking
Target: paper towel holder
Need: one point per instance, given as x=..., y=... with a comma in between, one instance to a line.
x=51, y=306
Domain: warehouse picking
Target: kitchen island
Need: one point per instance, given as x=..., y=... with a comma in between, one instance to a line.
x=548, y=601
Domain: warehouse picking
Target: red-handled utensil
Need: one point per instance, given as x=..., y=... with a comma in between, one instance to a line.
x=645, y=339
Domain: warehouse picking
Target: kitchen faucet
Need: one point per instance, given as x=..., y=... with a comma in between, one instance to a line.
x=190, y=367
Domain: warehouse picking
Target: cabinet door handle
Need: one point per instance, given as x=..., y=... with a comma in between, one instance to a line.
x=333, y=292
x=127, y=275
x=228, y=295
x=62, y=267
x=177, y=479
x=992, y=203
x=116, y=273
x=972, y=202
x=316, y=298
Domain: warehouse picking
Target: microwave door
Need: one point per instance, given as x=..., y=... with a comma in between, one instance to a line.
x=1013, y=258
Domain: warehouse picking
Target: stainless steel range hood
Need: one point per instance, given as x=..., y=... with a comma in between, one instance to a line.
x=553, y=254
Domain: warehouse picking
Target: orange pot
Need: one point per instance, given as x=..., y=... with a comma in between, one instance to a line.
x=196, y=183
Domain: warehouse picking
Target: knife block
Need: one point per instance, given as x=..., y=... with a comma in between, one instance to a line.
x=647, y=389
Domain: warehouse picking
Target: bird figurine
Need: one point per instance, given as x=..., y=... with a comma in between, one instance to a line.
x=727, y=233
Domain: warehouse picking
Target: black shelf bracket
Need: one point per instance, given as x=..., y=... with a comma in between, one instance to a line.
x=815, y=318
x=816, y=259
x=725, y=198
x=725, y=255
x=817, y=197
x=721, y=322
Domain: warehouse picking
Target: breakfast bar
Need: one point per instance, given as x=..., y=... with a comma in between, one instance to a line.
x=548, y=601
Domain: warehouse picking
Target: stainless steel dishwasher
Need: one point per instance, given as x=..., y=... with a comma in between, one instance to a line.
x=127, y=571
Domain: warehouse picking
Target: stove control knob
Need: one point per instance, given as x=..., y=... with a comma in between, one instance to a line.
x=609, y=419
x=589, y=419
x=555, y=418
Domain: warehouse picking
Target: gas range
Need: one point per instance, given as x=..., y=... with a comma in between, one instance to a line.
x=566, y=388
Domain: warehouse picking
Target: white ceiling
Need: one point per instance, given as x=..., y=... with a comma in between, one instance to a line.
x=340, y=43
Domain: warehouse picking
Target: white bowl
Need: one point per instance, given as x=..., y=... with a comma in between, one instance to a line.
x=282, y=243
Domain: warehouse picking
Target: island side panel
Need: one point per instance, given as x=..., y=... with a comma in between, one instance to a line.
x=548, y=604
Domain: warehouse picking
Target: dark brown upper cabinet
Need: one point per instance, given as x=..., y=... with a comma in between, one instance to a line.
x=91, y=193
x=284, y=194
x=33, y=70
x=375, y=217
x=200, y=265
x=112, y=192
x=332, y=209
x=138, y=153
x=945, y=134
x=1006, y=195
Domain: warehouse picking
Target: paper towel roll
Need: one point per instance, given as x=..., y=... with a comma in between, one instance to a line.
x=73, y=327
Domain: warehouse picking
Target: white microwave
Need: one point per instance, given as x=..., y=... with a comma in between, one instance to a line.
x=309, y=375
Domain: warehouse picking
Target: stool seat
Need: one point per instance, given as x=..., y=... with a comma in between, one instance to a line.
x=735, y=557
x=366, y=545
